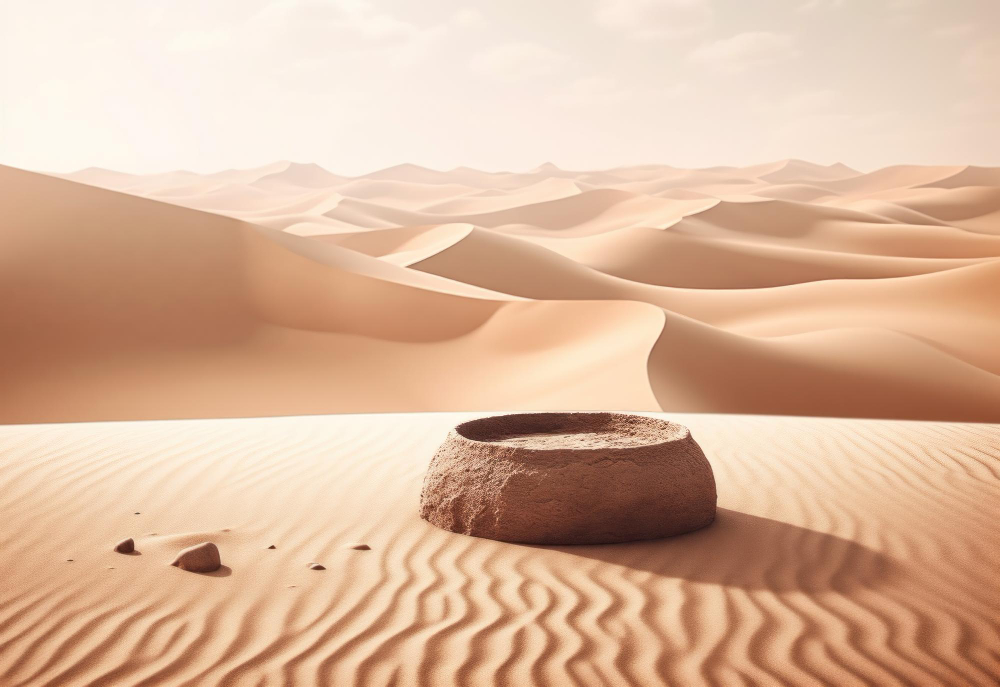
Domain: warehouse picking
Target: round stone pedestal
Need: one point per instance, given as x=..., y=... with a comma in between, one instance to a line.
x=569, y=478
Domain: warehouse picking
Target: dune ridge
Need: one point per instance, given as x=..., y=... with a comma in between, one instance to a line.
x=786, y=287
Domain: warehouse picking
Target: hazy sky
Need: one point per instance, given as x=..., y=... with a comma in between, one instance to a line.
x=355, y=85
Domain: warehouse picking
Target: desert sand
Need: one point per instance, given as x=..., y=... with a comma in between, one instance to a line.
x=845, y=552
x=785, y=288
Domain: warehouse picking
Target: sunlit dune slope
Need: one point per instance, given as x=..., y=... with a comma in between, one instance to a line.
x=117, y=306
x=786, y=287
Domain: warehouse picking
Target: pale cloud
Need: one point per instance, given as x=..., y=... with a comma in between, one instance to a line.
x=745, y=50
x=198, y=40
x=518, y=60
x=955, y=31
x=468, y=18
x=358, y=17
x=981, y=64
x=793, y=122
x=898, y=10
x=590, y=91
x=655, y=18
x=355, y=85
x=604, y=91
x=982, y=107
x=904, y=13
x=805, y=103
x=303, y=31
x=820, y=5
x=797, y=135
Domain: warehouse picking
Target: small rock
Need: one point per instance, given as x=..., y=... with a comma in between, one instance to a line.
x=125, y=546
x=137, y=513
x=69, y=560
x=358, y=546
x=202, y=557
x=272, y=546
x=316, y=566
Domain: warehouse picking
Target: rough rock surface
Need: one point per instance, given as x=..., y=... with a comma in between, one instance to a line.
x=202, y=557
x=569, y=478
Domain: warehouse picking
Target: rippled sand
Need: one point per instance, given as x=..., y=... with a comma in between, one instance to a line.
x=845, y=552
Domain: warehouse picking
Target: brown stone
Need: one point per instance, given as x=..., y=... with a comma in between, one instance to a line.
x=316, y=566
x=125, y=546
x=202, y=557
x=569, y=478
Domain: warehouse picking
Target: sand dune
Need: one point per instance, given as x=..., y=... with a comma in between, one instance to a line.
x=804, y=193
x=298, y=176
x=408, y=196
x=928, y=342
x=971, y=207
x=798, y=171
x=492, y=201
x=698, y=368
x=844, y=551
x=672, y=258
x=125, y=307
x=970, y=175
x=895, y=176
x=800, y=581
x=646, y=287
x=838, y=229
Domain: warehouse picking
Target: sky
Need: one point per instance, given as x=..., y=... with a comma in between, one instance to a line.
x=358, y=85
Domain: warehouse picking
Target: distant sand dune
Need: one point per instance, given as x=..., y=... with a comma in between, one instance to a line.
x=126, y=307
x=672, y=258
x=786, y=287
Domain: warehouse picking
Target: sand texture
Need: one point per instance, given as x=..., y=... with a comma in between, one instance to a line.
x=845, y=552
x=784, y=288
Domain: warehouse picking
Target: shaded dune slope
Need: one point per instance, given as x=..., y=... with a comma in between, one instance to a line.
x=785, y=287
x=118, y=306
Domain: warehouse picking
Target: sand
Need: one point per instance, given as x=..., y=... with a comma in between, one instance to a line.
x=786, y=288
x=845, y=552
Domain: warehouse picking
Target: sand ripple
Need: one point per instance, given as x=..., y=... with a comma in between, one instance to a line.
x=845, y=552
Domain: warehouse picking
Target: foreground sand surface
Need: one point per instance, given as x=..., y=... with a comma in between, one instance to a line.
x=846, y=552
x=787, y=288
